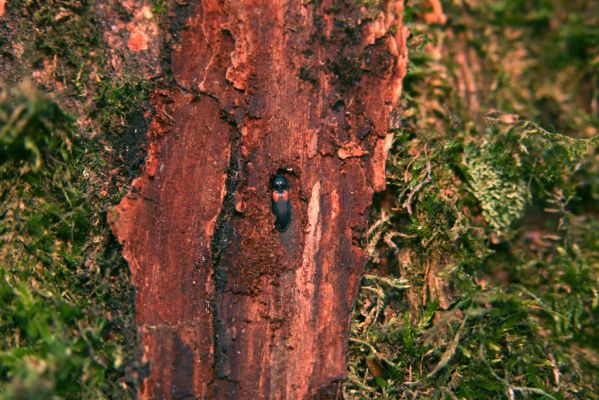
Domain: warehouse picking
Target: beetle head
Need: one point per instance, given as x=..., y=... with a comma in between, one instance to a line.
x=279, y=183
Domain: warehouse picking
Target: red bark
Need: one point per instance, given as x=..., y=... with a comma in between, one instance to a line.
x=227, y=306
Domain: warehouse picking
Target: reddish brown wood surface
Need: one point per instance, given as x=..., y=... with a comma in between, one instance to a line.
x=227, y=306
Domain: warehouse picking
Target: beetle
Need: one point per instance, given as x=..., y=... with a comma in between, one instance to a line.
x=281, y=203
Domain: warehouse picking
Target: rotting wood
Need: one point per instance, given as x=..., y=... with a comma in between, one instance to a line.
x=227, y=306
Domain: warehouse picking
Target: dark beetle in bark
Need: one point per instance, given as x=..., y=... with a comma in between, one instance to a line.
x=281, y=204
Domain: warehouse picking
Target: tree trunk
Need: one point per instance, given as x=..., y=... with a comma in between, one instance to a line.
x=227, y=306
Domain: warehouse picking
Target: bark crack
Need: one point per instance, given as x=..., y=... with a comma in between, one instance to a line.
x=223, y=235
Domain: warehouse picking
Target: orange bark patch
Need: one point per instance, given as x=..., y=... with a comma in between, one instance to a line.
x=138, y=41
x=132, y=37
x=347, y=152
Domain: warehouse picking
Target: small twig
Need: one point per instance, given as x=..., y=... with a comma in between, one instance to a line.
x=555, y=369
x=511, y=388
x=408, y=203
x=451, y=349
x=532, y=390
x=370, y=347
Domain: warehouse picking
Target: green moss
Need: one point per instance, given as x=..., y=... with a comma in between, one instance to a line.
x=66, y=304
x=490, y=220
x=57, y=335
x=117, y=100
x=160, y=7
x=34, y=131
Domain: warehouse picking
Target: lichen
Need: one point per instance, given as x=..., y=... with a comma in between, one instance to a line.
x=502, y=198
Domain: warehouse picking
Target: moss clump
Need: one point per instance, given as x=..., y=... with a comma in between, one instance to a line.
x=58, y=334
x=490, y=220
x=117, y=100
x=34, y=131
x=66, y=305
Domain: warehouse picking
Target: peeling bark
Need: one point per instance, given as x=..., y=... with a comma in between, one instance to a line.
x=227, y=306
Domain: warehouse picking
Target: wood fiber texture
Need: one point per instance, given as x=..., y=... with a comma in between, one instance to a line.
x=227, y=306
